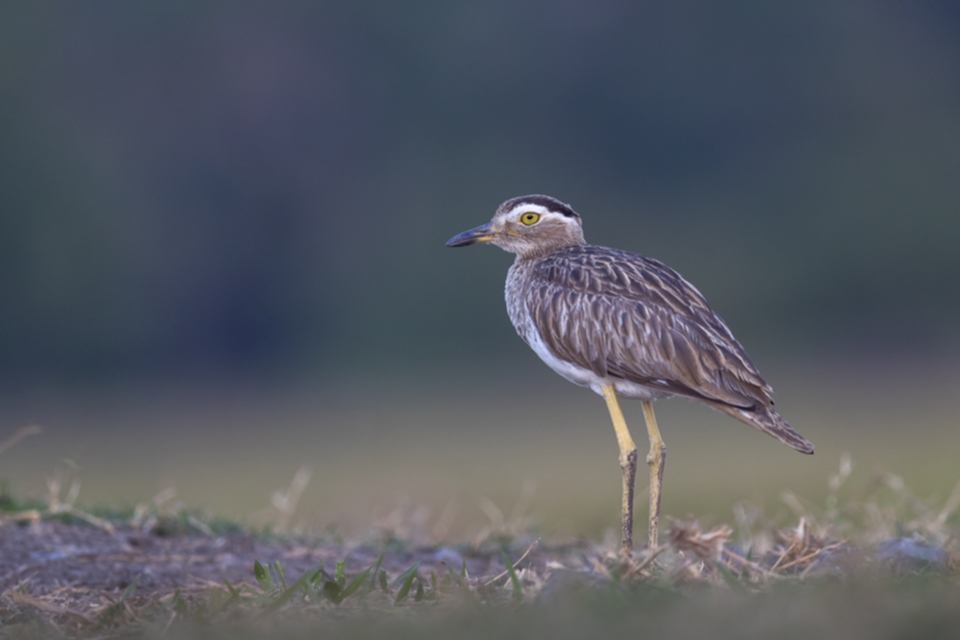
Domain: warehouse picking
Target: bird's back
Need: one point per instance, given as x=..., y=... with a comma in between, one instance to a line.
x=617, y=315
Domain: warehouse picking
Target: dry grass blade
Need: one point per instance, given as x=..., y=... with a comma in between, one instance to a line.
x=28, y=516
x=173, y=616
x=56, y=506
x=636, y=569
x=708, y=547
x=801, y=546
x=951, y=505
x=786, y=552
x=811, y=555
x=738, y=559
x=508, y=527
x=286, y=503
x=814, y=556
x=515, y=564
x=87, y=517
x=18, y=435
x=705, y=547
x=37, y=603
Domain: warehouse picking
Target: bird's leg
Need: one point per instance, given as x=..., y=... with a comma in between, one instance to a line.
x=628, y=464
x=655, y=460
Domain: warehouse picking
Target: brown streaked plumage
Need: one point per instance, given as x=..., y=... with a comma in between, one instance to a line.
x=638, y=320
x=622, y=324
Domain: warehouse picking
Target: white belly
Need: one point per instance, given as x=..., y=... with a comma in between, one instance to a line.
x=587, y=378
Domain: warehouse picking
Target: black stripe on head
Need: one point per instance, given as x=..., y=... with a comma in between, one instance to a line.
x=552, y=204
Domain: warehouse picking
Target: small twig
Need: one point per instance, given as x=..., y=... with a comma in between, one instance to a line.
x=525, y=553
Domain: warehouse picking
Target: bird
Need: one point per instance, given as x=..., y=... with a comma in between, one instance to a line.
x=623, y=325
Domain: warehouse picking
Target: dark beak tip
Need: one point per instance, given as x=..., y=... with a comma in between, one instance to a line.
x=469, y=237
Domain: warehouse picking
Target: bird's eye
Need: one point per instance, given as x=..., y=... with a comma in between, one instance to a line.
x=529, y=218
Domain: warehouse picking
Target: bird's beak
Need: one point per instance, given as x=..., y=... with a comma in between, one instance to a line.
x=483, y=233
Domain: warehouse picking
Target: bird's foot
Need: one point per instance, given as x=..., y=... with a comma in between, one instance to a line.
x=626, y=567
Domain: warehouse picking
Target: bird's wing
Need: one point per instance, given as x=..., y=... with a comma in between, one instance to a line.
x=625, y=315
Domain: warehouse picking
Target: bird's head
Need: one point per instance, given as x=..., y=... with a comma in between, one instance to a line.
x=527, y=226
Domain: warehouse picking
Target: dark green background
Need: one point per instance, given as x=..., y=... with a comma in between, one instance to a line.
x=193, y=186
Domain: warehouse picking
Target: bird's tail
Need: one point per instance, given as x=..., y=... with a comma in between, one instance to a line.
x=768, y=421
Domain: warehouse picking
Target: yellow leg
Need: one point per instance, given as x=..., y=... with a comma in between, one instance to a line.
x=655, y=460
x=628, y=464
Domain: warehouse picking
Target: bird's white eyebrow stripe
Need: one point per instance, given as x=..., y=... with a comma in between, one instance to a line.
x=526, y=206
x=548, y=203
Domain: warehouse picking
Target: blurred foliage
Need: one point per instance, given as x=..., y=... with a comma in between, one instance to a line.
x=204, y=186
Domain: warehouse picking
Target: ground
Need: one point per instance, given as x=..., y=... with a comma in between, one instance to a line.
x=111, y=579
x=873, y=562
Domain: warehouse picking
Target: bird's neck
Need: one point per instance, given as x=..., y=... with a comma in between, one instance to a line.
x=541, y=250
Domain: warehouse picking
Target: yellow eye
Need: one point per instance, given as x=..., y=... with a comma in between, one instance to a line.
x=529, y=218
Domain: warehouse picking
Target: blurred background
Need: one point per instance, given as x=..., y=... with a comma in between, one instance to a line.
x=222, y=228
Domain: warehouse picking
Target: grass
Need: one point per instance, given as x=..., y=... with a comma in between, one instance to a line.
x=454, y=604
x=824, y=575
x=915, y=609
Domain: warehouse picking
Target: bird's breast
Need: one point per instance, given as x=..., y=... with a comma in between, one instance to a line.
x=517, y=309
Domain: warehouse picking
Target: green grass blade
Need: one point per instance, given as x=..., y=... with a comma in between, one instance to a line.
x=383, y=581
x=179, y=604
x=283, y=582
x=114, y=609
x=406, y=574
x=331, y=590
x=729, y=578
x=419, y=595
x=340, y=576
x=129, y=590
x=376, y=574
x=302, y=584
x=262, y=576
x=317, y=577
x=456, y=579
x=407, y=577
x=353, y=586
x=517, y=587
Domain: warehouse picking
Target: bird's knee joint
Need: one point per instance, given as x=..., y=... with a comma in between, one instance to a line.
x=657, y=453
x=629, y=460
